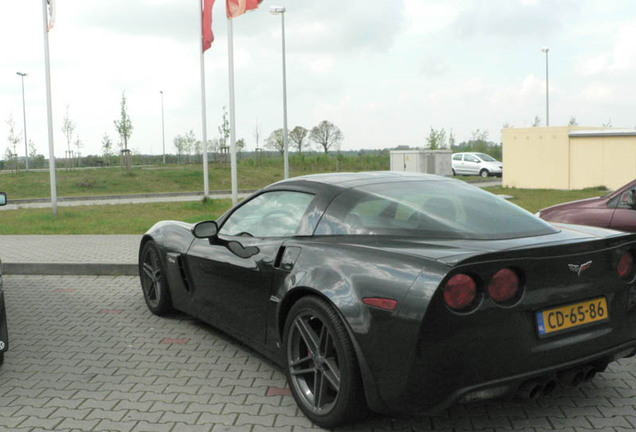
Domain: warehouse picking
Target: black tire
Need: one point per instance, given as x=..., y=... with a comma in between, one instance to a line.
x=454, y=173
x=321, y=365
x=484, y=173
x=1, y=358
x=154, y=284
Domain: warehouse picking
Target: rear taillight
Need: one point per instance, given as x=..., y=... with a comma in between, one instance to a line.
x=504, y=285
x=460, y=292
x=626, y=265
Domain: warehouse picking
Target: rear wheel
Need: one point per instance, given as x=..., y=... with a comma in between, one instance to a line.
x=1, y=358
x=154, y=282
x=454, y=173
x=322, y=369
x=484, y=173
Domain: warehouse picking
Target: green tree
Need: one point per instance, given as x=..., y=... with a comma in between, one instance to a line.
x=190, y=141
x=36, y=160
x=537, y=121
x=224, y=129
x=68, y=128
x=573, y=121
x=240, y=146
x=299, y=137
x=181, y=145
x=451, y=139
x=124, y=124
x=436, y=139
x=107, y=149
x=479, y=136
x=78, y=145
x=275, y=141
x=13, y=137
x=327, y=135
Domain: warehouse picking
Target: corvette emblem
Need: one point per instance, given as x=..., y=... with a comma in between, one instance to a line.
x=578, y=269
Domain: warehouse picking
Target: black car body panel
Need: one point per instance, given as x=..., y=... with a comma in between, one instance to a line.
x=423, y=355
x=4, y=332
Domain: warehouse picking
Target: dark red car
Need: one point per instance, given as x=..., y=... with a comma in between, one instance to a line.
x=616, y=210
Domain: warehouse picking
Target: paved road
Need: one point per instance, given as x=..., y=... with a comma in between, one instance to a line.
x=116, y=199
x=86, y=355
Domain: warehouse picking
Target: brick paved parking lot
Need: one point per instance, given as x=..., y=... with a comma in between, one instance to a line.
x=85, y=354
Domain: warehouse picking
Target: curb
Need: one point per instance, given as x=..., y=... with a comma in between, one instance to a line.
x=70, y=269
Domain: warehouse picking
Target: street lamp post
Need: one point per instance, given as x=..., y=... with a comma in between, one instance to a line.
x=26, y=148
x=279, y=10
x=547, y=92
x=163, y=130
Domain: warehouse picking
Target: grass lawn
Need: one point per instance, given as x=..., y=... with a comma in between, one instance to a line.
x=107, y=219
x=534, y=200
x=252, y=174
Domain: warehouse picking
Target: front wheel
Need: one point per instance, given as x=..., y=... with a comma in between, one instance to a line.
x=154, y=282
x=484, y=173
x=321, y=365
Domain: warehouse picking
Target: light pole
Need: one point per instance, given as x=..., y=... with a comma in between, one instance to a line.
x=26, y=148
x=547, y=93
x=163, y=130
x=279, y=10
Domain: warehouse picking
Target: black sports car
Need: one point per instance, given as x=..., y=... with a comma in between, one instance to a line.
x=400, y=292
x=4, y=333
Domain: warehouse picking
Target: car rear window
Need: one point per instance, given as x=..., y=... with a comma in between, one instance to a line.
x=443, y=209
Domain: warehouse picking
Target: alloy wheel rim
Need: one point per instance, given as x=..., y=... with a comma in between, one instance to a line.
x=152, y=278
x=313, y=363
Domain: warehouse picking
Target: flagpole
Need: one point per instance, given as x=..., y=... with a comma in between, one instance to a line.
x=204, y=144
x=49, y=112
x=230, y=44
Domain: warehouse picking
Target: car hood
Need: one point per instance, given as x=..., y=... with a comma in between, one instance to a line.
x=454, y=252
x=584, y=203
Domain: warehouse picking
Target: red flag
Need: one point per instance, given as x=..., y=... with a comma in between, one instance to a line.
x=208, y=36
x=239, y=7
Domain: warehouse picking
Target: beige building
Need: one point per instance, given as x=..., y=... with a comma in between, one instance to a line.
x=570, y=157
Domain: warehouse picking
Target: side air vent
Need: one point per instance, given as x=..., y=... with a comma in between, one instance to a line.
x=183, y=272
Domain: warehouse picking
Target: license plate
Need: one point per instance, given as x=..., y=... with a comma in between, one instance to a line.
x=561, y=318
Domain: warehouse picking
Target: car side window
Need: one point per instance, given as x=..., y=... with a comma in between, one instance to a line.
x=271, y=214
x=470, y=158
x=628, y=199
x=457, y=157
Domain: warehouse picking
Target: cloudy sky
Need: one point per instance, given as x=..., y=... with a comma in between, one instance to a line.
x=385, y=72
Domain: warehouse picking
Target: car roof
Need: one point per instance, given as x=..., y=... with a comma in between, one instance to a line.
x=354, y=179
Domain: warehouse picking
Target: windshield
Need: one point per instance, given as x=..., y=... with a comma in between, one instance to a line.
x=445, y=209
x=485, y=157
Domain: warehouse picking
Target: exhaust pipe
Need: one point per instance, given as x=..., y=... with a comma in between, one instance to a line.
x=530, y=390
x=589, y=373
x=571, y=377
x=549, y=387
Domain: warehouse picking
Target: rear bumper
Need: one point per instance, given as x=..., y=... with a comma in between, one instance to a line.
x=498, y=354
x=429, y=392
x=541, y=380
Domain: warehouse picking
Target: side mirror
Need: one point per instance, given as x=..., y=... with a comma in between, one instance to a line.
x=205, y=229
x=3, y=198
